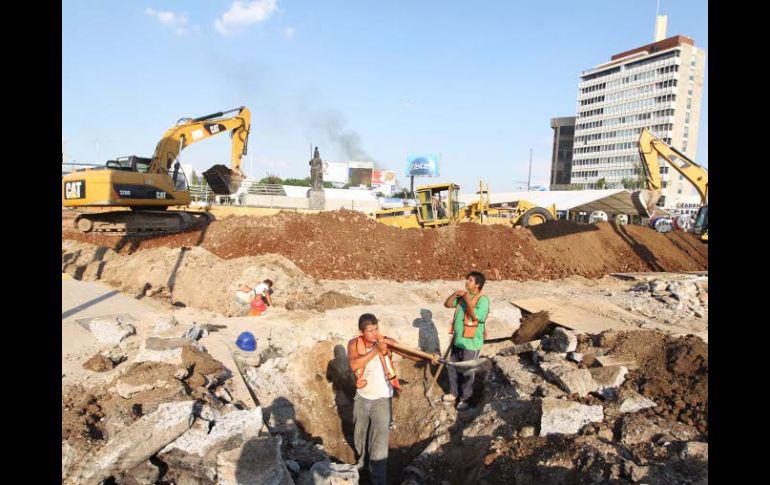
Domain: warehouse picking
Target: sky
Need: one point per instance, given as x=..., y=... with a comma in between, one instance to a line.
x=475, y=82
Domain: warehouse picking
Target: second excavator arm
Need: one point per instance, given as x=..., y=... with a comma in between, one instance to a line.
x=651, y=150
x=189, y=131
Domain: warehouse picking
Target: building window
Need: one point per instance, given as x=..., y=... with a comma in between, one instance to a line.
x=687, y=117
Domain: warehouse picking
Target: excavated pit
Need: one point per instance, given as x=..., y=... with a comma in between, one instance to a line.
x=315, y=403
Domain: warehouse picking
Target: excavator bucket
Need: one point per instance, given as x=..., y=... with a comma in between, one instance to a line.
x=222, y=180
x=645, y=200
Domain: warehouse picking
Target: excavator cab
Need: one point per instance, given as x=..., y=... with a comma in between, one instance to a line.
x=701, y=226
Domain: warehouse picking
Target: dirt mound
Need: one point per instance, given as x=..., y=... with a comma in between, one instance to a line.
x=673, y=372
x=334, y=299
x=186, y=276
x=348, y=245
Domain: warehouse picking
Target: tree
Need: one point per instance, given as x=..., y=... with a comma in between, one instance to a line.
x=601, y=183
x=271, y=179
x=195, y=180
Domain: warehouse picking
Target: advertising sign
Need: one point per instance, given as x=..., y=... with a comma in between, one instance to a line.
x=383, y=177
x=422, y=166
x=336, y=172
x=360, y=173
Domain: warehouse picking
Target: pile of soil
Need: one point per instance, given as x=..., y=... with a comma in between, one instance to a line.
x=673, y=372
x=348, y=245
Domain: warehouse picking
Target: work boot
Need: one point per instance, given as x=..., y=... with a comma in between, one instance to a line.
x=463, y=406
x=449, y=398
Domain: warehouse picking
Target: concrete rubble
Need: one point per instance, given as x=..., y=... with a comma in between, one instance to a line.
x=569, y=378
x=327, y=473
x=197, y=449
x=111, y=330
x=138, y=442
x=563, y=341
x=567, y=417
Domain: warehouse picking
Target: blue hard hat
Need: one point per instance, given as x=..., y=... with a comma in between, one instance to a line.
x=246, y=341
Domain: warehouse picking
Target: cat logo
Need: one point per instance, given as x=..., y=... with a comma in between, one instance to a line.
x=75, y=189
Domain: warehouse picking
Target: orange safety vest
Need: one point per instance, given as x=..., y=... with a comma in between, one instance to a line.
x=385, y=360
x=469, y=328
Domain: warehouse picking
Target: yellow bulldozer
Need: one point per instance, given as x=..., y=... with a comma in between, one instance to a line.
x=439, y=205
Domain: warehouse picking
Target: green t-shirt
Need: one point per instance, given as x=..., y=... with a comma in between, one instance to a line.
x=482, y=309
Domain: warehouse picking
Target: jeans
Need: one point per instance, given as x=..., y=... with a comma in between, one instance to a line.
x=461, y=355
x=371, y=421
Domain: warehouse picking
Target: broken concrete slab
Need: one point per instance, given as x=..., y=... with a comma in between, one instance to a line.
x=70, y=455
x=576, y=357
x=521, y=348
x=111, y=329
x=293, y=466
x=503, y=322
x=608, y=379
x=569, y=378
x=697, y=450
x=658, y=286
x=196, y=332
x=197, y=449
x=523, y=378
x=610, y=360
x=126, y=390
x=638, y=429
x=563, y=341
x=145, y=472
x=327, y=473
x=116, y=354
x=567, y=417
x=163, y=323
x=138, y=442
x=165, y=350
x=256, y=462
x=527, y=432
x=632, y=402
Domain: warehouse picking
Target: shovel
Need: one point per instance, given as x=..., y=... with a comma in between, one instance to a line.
x=468, y=366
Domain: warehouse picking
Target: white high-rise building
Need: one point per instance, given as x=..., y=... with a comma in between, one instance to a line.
x=657, y=86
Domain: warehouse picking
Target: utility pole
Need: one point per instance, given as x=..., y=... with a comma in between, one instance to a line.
x=529, y=178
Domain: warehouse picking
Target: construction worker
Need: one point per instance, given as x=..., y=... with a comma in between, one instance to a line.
x=371, y=360
x=248, y=292
x=471, y=310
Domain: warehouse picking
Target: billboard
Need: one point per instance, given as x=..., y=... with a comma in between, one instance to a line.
x=360, y=173
x=383, y=177
x=422, y=165
x=336, y=172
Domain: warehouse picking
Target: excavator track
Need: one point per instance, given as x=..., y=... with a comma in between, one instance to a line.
x=140, y=223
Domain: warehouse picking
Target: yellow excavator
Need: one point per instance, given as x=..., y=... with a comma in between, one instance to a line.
x=439, y=205
x=147, y=187
x=653, y=151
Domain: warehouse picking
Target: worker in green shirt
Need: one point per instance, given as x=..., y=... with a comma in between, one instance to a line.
x=471, y=310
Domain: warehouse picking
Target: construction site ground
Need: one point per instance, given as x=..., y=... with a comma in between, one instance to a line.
x=331, y=267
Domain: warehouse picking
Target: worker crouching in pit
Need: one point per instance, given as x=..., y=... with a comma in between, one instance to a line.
x=255, y=297
x=468, y=329
x=371, y=360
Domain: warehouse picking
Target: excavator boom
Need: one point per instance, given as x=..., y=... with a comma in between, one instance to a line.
x=652, y=151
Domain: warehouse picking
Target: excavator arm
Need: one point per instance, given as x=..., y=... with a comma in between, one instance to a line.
x=192, y=130
x=651, y=151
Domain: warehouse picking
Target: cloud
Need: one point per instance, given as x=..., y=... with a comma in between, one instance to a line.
x=289, y=32
x=243, y=13
x=172, y=20
x=407, y=105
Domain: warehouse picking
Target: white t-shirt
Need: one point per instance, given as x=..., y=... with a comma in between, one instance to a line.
x=377, y=383
x=260, y=289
